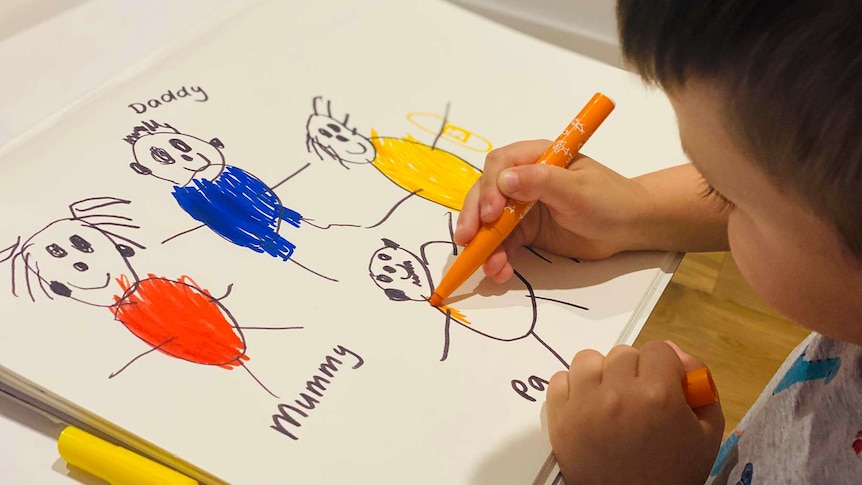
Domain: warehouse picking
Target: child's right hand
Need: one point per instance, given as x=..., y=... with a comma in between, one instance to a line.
x=586, y=211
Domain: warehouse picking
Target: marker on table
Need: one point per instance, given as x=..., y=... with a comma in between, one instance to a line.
x=490, y=236
x=114, y=464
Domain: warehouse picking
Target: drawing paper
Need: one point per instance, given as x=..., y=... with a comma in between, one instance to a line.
x=222, y=256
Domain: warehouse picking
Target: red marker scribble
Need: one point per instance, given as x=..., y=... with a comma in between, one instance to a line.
x=180, y=319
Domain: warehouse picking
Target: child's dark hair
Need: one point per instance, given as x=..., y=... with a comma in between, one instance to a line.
x=791, y=71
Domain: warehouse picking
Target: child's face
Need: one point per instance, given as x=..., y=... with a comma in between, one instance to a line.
x=176, y=157
x=793, y=260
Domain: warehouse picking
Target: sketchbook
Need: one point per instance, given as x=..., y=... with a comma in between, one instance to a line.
x=222, y=257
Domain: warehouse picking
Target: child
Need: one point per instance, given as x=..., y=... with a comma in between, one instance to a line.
x=768, y=96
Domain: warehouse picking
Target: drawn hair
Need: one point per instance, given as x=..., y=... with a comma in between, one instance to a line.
x=792, y=78
x=148, y=128
x=85, y=211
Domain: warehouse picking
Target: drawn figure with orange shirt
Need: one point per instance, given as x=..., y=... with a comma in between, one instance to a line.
x=426, y=171
x=406, y=276
x=82, y=258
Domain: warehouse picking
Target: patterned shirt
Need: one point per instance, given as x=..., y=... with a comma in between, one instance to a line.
x=806, y=426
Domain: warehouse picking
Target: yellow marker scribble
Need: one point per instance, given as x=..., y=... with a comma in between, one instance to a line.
x=437, y=175
x=430, y=122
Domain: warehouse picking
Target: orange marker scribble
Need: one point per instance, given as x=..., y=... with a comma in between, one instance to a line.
x=454, y=313
x=435, y=174
x=181, y=320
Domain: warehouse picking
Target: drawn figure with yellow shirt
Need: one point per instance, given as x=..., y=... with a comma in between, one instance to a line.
x=423, y=170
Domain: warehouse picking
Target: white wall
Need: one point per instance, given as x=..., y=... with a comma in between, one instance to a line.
x=585, y=26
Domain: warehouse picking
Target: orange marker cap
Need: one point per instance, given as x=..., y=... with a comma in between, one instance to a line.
x=699, y=388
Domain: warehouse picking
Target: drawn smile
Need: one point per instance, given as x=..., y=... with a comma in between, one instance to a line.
x=363, y=147
x=410, y=273
x=107, y=282
x=201, y=169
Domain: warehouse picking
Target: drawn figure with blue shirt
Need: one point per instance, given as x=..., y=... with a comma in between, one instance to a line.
x=228, y=200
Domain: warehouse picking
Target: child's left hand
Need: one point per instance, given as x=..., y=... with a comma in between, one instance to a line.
x=624, y=418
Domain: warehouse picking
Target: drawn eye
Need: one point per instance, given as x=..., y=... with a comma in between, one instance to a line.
x=81, y=244
x=334, y=127
x=389, y=269
x=341, y=138
x=384, y=257
x=125, y=251
x=80, y=266
x=56, y=251
x=161, y=155
x=324, y=133
x=180, y=145
x=383, y=278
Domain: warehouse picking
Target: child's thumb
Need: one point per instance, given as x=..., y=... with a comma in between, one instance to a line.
x=711, y=416
x=547, y=183
x=689, y=362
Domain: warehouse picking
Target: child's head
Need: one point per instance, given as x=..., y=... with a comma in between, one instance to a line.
x=161, y=151
x=768, y=96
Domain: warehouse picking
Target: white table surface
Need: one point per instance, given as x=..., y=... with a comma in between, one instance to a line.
x=53, y=52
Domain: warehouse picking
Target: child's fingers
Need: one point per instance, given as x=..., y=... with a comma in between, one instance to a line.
x=621, y=364
x=554, y=186
x=689, y=362
x=586, y=370
x=558, y=390
x=711, y=419
x=659, y=357
x=514, y=154
x=491, y=201
x=659, y=361
x=497, y=267
x=468, y=222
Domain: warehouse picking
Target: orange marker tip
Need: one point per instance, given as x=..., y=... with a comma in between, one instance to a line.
x=435, y=300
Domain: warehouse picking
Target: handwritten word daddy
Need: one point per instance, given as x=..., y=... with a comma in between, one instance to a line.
x=192, y=92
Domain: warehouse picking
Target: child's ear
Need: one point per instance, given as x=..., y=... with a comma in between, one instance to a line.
x=217, y=143
x=138, y=168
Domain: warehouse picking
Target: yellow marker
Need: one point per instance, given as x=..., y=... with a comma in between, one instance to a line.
x=114, y=464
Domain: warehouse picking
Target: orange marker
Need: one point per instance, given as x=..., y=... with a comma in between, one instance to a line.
x=490, y=236
x=699, y=388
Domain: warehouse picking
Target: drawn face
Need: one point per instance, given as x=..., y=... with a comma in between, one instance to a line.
x=176, y=157
x=338, y=141
x=400, y=274
x=76, y=260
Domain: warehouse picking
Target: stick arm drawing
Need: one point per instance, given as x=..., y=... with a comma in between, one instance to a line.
x=77, y=259
x=230, y=201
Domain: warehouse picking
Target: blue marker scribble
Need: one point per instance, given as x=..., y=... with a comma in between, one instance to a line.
x=803, y=370
x=240, y=208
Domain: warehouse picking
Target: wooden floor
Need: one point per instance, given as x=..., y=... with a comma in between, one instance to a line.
x=710, y=312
